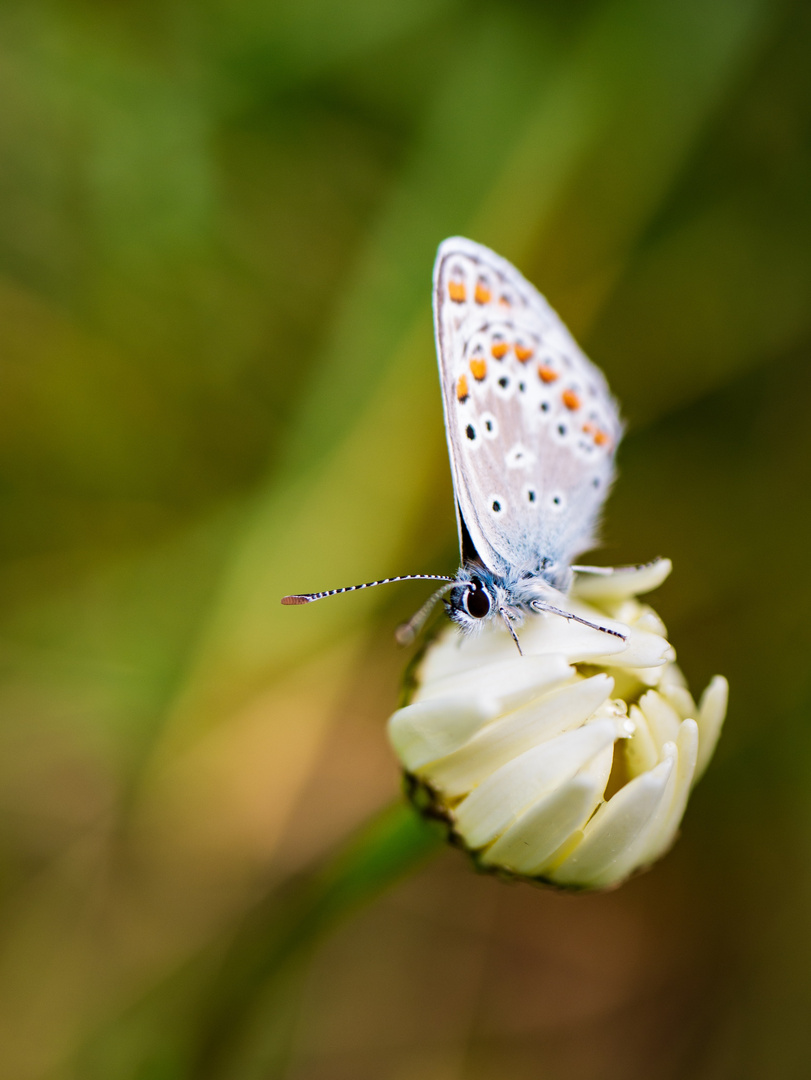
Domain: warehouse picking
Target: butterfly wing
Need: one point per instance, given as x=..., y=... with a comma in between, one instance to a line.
x=532, y=427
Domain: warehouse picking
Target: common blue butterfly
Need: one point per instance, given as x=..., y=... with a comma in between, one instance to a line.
x=532, y=433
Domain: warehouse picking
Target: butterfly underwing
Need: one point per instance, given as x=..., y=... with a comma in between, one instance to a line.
x=532, y=431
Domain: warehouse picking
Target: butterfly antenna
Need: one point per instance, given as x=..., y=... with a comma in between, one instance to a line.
x=540, y=605
x=506, y=618
x=308, y=598
x=407, y=631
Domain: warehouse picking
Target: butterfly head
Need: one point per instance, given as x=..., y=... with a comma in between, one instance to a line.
x=478, y=596
x=471, y=602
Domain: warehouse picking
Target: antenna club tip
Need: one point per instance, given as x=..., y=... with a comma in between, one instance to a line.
x=291, y=601
x=404, y=635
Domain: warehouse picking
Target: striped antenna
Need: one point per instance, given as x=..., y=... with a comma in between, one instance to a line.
x=307, y=598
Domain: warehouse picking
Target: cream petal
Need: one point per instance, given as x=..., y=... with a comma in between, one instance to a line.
x=680, y=698
x=673, y=676
x=452, y=653
x=528, y=844
x=509, y=682
x=624, y=611
x=650, y=621
x=663, y=831
x=601, y=857
x=642, y=650
x=492, y=806
x=663, y=720
x=641, y=750
x=646, y=676
x=429, y=730
x=627, y=581
x=712, y=711
x=599, y=768
x=633, y=613
x=511, y=735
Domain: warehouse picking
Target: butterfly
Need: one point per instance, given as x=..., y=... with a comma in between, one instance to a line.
x=532, y=433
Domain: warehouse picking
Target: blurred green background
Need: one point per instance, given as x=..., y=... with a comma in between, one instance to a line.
x=217, y=227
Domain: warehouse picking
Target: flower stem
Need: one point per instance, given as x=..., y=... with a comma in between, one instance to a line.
x=285, y=927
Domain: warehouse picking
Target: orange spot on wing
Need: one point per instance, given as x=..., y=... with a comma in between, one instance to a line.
x=505, y=301
x=547, y=373
x=483, y=293
x=601, y=438
x=478, y=368
x=523, y=352
x=461, y=388
x=570, y=400
x=589, y=428
x=499, y=349
x=457, y=291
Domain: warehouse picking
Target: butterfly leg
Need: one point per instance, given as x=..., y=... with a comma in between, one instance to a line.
x=407, y=631
x=508, y=623
x=542, y=605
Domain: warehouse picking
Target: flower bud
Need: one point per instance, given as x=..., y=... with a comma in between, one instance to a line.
x=573, y=763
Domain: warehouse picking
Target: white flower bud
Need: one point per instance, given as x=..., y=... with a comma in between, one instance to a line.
x=573, y=763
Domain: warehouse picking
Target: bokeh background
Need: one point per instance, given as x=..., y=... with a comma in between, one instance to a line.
x=217, y=385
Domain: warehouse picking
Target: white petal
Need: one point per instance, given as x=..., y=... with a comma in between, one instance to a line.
x=711, y=713
x=599, y=768
x=602, y=855
x=499, y=799
x=641, y=750
x=633, y=613
x=642, y=650
x=673, y=676
x=649, y=676
x=508, y=683
x=680, y=698
x=628, y=581
x=663, y=832
x=452, y=652
x=663, y=720
x=528, y=844
x=625, y=611
x=428, y=730
x=650, y=621
x=513, y=734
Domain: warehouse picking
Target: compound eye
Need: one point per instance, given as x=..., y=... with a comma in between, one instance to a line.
x=477, y=601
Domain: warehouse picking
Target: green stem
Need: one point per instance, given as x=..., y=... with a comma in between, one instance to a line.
x=284, y=928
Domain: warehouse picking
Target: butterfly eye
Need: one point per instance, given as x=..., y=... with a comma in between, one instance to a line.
x=477, y=600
